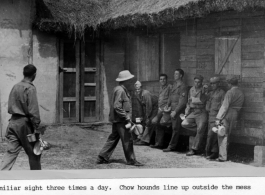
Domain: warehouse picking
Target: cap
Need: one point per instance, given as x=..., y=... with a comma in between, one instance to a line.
x=138, y=84
x=214, y=80
x=232, y=80
x=200, y=77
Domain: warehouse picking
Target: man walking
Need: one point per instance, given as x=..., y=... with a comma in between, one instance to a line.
x=177, y=101
x=148, y=106
x=120, y=115
x=196, y=116
x=228, y=114
x=25, y=119
x=214, y=102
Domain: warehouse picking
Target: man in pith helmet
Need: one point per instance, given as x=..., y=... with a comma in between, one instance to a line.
x=120, y=115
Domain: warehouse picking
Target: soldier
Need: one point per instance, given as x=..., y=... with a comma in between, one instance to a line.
x=148, y=106
x=120, y=115
x=164, y=93
x=196, y=115
x=228, y=113
x=177, y=101
x=214, y=102
x=25, y=119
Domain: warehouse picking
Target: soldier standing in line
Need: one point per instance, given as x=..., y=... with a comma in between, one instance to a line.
x=148, y=105
x=228, y=114
x=120, y=115
x=163, y=97
x=196, y=115
x=214, y=102
x=177, y=101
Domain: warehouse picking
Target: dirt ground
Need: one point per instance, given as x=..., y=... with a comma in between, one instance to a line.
x=77, y=147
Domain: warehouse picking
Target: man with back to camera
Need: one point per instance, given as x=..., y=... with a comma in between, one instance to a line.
x=196, y=115
x=25, y=119
x=213, y=104
x=228, y=114
x=149, y=104
x=163, y=97
x=177, y=101
x=120, y=115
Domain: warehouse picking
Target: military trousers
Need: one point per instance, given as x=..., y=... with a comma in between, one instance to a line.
x=229, y=122
x=212, y=139
x=119, y=132
x=196, y=121
x=17, y=131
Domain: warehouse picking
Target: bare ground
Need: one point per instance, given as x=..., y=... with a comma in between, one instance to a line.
x=77, y=147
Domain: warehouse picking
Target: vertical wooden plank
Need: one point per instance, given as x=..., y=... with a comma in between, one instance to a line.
x=98, y=86
x=61, y=64
x=82, y=74
x=237, y=60
x=162, y=54
x=77, y=56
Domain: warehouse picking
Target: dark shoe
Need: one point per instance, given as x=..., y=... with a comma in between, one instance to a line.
x=212, y=156
x=156, y=146
x=136, y=163
x=220, y=160
x=191, y=153
x=102, y=160
x=168, y=150
x=141, y=143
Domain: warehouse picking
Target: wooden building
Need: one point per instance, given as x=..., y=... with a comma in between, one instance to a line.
x=94, y=40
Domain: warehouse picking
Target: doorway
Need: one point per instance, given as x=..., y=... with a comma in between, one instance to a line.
x=78, y=70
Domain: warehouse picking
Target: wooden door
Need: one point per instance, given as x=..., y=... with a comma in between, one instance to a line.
x=69, y=81
x=228, y=55
x=78, y=82
x=89, y=82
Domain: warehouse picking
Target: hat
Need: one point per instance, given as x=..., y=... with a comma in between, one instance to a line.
x=232, y=80
x=124, y=75
x=200, y=77
x=138, y=83
x=214, y=80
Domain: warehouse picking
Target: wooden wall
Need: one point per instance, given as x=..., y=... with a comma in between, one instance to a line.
x=200, y=46
x=198, y=56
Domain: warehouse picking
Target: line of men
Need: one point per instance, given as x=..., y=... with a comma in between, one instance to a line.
x=202, y=109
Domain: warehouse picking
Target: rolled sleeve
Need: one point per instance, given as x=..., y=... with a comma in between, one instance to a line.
x=225, y=105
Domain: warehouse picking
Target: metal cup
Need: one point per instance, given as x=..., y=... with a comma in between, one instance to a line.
x=31, y=137
x=128, y=125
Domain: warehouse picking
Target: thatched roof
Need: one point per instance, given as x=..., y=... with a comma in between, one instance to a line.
x=79, y=14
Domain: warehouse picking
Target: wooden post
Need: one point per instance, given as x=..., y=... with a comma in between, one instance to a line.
x=77, y=57
x=61, y=64
x=82, y=74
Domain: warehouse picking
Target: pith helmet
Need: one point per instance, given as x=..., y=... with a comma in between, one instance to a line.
x=124, y=75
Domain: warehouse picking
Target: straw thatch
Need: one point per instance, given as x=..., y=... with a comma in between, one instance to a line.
x=79, y=14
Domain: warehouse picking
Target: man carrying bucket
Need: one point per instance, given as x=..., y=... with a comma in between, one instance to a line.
x=213, y=104
x=25, y=120
x=228, y=113
x=120, y=116
x=148, y=104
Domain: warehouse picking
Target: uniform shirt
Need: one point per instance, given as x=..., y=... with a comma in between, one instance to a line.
x=178, y=96
x=23, y=101
x=121, y=107
x=164, y=93
x=199, y=95
x=148, y=103
x=214, y=101
x=234, y=99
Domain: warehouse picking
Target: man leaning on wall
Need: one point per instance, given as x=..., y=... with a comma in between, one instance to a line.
x=196, y=115
x=164, y=93
x=228, y=114
x=176, y=102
